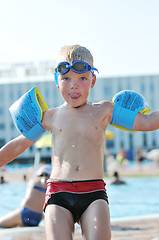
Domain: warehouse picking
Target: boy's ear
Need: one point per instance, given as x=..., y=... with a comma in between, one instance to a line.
x=93, y=81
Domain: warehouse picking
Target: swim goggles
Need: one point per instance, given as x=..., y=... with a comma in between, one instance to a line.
x=77, y=67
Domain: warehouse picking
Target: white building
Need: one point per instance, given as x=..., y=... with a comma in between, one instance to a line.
x=16, y=79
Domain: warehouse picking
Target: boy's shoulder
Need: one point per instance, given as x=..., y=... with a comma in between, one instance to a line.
x=105, y=110
x=105, y=104
x=52, y=111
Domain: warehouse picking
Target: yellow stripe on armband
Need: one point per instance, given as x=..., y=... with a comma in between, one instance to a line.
x=145, y=111
x=41, y=102
x=122, y=128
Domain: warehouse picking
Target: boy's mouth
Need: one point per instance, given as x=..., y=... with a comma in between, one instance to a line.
x=74, y=96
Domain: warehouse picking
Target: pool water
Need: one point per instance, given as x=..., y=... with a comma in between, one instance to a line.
x=11, y=195
x=139, y=196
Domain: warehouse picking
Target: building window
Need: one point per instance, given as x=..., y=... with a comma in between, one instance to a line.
x=47, y=93
x=11, y=96
x=109, y=144
x=91, y=94
x=107, y=90
x=144, y=139
x=19, y=93
x=143, y=88
x=2, y=142
x=12, y=126
x=1, y=111
x=154, y=143
x=130, y=141
x=2, y=126
x=119, y=88
x=31, y=148
x=152, y=87
x=121, y=144
x=1, y=95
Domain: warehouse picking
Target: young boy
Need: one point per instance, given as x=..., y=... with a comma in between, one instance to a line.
x=76, y=191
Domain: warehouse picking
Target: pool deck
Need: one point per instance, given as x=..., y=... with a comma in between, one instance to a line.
x=136, y=228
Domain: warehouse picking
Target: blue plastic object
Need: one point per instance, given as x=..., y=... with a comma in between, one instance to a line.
x=127, y=104
x=27, y=114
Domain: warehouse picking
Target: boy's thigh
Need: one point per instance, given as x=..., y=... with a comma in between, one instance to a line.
x=59, y=223
x=95, y=221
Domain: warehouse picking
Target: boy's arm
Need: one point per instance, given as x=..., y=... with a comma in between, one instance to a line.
x=13, y=149
x=146, y=122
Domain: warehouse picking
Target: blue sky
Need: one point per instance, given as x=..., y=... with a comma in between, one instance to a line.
x=123, y=35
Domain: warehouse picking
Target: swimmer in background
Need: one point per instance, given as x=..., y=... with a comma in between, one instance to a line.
x=116, y=180
x=30, y=213
x=2, y=180
x=76, y=189
x=140, y=156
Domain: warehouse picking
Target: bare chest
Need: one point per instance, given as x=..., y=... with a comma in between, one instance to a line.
x=80, y=124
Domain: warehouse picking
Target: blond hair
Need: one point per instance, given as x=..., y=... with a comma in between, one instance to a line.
x=71, y=53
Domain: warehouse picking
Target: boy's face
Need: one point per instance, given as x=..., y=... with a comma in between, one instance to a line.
x=75, y=87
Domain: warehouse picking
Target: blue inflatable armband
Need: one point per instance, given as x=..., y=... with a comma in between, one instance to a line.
x=127, y=104
x=27, y=114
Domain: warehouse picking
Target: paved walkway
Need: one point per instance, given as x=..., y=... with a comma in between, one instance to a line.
x=136, y=228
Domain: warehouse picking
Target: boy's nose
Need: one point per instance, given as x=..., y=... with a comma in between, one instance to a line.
x=73, y=85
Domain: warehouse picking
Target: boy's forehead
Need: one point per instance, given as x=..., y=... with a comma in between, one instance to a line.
x=71, y=60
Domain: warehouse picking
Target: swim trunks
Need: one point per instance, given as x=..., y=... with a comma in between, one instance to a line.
x=75, y=196
x=30, y=218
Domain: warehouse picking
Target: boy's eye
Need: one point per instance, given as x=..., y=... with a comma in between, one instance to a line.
x=65, y=78
x=83, y=78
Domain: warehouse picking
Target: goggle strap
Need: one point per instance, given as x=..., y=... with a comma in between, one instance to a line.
x=56, y=78
x=95, y=69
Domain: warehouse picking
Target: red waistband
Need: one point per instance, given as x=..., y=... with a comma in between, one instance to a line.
x=75, y=186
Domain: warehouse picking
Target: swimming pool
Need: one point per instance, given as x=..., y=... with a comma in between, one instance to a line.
x=140, y=196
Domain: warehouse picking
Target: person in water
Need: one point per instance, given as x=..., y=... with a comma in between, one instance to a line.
x=116, y=179
x=30, y=212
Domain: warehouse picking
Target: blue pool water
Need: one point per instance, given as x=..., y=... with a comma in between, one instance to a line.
x=140, y=196
x=11, y=195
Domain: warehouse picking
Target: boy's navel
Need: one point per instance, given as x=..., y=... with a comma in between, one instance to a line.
x=77, y=168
